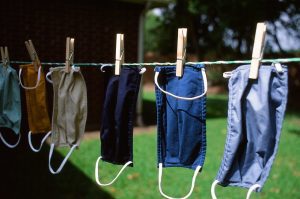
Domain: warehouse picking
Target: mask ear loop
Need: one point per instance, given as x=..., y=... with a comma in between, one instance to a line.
x=37, y=82
x=76, y=69
x=251, y=189
x=97, y=173
x=179, y=97
x=192, y=186
x=278, y=67
x=142, y=70
x=103, y=66
x=213, y=188
x=10, y=145
x=63, y=162
x=47, y=77
x=42, y=142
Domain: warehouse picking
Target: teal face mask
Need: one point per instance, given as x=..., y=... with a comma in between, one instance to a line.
x=10, y=104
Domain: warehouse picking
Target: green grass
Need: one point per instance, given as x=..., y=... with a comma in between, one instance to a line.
x=141, y=180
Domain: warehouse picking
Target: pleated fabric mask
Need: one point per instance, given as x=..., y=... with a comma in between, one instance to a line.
x=255, y=116
x=10, y=104
x=69, y=110
x=181, y=119
x=36, y=102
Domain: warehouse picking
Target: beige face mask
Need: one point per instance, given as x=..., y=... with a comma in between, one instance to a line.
x=69, y=110
x=36, y=101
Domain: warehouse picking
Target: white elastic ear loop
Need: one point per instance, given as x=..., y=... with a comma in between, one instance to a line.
x=278, y=67
x=227, y=74
x=192, y=187
x=76, y=69
x=252, y=188
x=213, y=188
x=97, y=174
x=63, y=162
x=37, y=82
x=142, y=71
x=42, y=142
x=179, y=97
x=10, y=145
x=103, y=66
x=47, y=77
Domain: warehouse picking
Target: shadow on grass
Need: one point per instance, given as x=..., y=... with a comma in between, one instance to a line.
x=295, y=132
x=216, y=108
x=25, y=174
x=149, y=112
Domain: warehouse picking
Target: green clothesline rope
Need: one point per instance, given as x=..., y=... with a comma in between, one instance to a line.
x=281, y=60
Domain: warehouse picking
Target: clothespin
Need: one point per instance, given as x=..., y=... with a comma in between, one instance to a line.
x=33, y=55
x=4, y=56
x=69, y=53
x=181, y=51
x=120, y=51
x=258, y=49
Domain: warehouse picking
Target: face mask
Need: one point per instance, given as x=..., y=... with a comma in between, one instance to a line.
x=10, y=103
x=35, y=92
x=255, y=115
x=69, y=110
x=117, y=118
x=181, y=119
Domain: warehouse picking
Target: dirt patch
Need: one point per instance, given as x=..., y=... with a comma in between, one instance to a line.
x=89, y=135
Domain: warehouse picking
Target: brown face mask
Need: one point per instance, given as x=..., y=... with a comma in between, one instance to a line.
x=35, y=92
x=69, y=110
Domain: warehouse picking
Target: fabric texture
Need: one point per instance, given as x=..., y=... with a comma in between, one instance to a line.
x=36, y=100
x=10, y=100
x=255, y=116
x=118, y=115
x=69, y=107
x=181, y=124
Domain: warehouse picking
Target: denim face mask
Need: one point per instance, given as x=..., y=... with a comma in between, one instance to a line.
x=255, y=116
x=35, y=92
x=181, y=119
x=69, y=110
x=117, y=118
x=10, y=103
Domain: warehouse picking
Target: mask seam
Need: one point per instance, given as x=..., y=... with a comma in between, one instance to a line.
x=229, y=133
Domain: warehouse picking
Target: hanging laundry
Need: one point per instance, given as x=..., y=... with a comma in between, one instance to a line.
x=35, y=92
x=255, y=116
x=118, y=118
x=10, y=103
x=69, y=110
x=181, y=119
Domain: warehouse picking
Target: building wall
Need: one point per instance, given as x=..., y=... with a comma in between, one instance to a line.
x=94, y=25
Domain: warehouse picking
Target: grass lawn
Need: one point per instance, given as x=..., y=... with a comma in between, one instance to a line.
x=141, y=180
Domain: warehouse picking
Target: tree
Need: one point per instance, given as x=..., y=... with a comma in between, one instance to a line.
x=218, y=27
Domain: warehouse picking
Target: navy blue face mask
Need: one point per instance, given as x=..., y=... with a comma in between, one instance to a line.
x=117, y=118
x=255, y=116
x=181, y=119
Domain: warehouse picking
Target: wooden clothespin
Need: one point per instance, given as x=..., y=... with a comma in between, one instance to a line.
x=4, y=56
x=258, y=49
x=181, y=51
x=69, y=53
x=33, y=55
x=120, y=53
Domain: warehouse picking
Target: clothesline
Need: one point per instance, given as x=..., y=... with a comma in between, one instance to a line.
x=280, y=60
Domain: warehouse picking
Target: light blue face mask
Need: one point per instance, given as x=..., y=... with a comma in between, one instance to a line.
x=255, y=116
x=10, y=103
